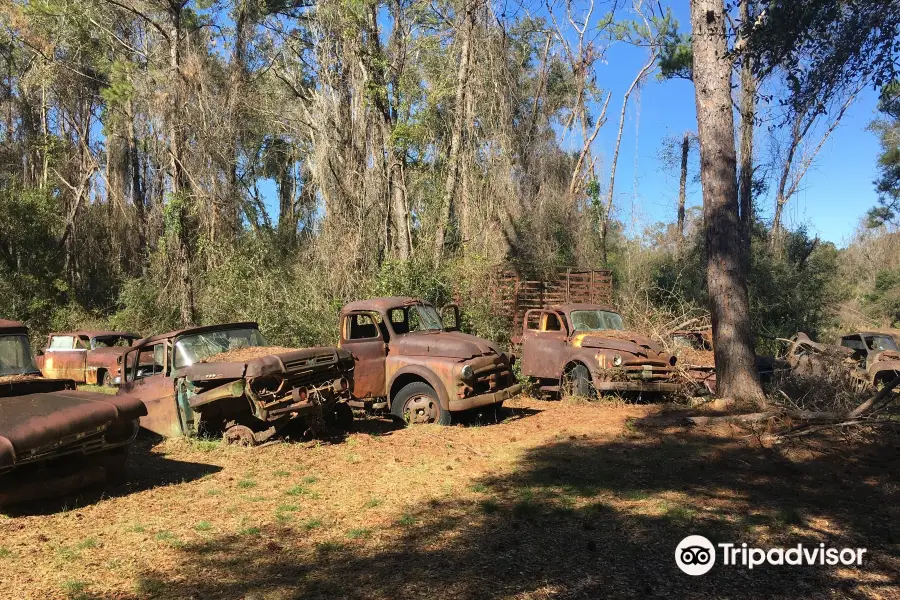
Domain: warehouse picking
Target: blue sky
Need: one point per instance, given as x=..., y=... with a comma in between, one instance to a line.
x=835, y=194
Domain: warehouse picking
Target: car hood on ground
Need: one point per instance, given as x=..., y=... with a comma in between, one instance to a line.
x=445, y=344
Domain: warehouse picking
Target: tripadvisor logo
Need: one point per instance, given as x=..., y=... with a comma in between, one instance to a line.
x=696, y=555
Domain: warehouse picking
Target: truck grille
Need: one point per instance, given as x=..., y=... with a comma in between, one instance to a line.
x=491, y=380
x=317, y=359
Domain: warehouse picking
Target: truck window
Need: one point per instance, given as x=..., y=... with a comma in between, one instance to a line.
x=551, y=322
x=362, y=327
x=82, y=343
x=62, y=342
x=534, y=321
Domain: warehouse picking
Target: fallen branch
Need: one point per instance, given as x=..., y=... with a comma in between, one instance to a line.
x=800, y=415
x=875, y=401
x=806, y=430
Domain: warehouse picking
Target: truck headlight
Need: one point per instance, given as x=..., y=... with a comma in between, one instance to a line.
x=467, y=372
x=617, y=360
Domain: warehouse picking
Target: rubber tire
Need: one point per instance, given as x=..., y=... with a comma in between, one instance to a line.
x=578, y=380
x=414, y=389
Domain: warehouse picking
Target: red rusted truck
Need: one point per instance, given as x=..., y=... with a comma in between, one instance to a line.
x=408, y=362
x=226, y=379
x=85, y=356
x=54, y=439
x=583, y=348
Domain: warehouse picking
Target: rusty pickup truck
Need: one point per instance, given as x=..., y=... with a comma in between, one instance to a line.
x=408, y=362
x=85, y=356
x=54, y=439
x=584, y=348
x=872, y=358
x=226, y=379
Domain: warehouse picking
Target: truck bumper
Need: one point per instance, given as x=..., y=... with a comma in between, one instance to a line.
x=635, y=386
x=457, y=404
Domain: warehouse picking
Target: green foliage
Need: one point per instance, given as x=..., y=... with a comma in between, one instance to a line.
x=888, y=182
x=884, y=300
x=793, y=289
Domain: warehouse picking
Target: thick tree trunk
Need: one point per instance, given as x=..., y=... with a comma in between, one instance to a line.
x=682, y=184
x=465, y=25
x=726, y=280
x=748, y=123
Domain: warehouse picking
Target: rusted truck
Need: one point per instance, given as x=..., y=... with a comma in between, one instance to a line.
x=54, y=439
x=409, y=363
x=871, y=357
x=585, y=348
x=85, y=356
x=226, y=379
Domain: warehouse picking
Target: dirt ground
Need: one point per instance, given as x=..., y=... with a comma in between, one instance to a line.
x=560, y=500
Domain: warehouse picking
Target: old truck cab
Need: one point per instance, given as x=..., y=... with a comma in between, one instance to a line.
x=408, y=361
x=85, y=356
x=583, y=348
x=226, y=379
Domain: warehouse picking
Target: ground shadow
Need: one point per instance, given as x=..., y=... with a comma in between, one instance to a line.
x=582, y=518
x=144, y=470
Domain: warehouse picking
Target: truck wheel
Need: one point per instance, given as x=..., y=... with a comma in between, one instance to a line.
x=341, y=416
x=577, y=381
x=418, y=403
x=239, y=435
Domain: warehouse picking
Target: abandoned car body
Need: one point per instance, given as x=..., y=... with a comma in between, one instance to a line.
x=224, y=378
x=85, y=356
x=53, y=439
x=872, y=358
x=581, y=348
x=408, y=362
x=694, y=350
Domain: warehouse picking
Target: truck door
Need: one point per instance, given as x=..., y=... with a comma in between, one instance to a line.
x=64, y=358
x=148, y=379
x=362, y=336
x=543, y=344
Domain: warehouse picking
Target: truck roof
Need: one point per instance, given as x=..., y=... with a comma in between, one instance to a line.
x=98, y=333
x=566, y=308
x=199, y=329
x=380, y=304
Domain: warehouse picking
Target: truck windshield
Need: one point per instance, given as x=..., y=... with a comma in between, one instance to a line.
x=879, y=343
x=415, y=317
x=15, y=356
x=595, y=320
x=190, y=349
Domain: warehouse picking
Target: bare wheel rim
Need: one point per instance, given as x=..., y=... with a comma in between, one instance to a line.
x=240, y=435
x=421, y=409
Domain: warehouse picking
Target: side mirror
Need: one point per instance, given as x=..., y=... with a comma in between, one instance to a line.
x=450, y=317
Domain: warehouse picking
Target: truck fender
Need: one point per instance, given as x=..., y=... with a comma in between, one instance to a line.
x=420, y=372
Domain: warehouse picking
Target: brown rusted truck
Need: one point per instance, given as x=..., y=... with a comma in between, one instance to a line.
x=871, y=357
x=409, y=363
x=54, y=439
x=85, y=356
x=226, y=379
x=585, y=348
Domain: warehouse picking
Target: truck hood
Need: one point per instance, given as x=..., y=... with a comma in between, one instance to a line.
x=446, y=344
x=621, y=341
x=46, y=423
x=256, y=362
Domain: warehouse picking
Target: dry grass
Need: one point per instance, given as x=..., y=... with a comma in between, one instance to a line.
x=561, y=500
